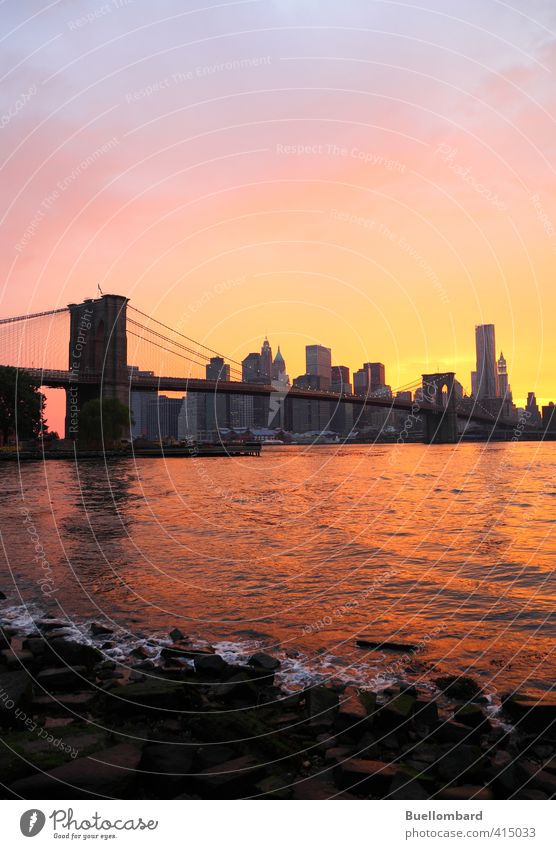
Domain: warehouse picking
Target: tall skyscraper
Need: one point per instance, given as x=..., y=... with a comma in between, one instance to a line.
x=487, y=371
x=251, y=369
x=319, y=362
x=340, y=380
x=217, y=369
x=279, y=368
x=503, y=384
x=377, y=376
x=266, y=361
x=533, y=409
x=162, y=417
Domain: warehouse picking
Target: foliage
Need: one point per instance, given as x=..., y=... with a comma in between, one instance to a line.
x=103, y=423
x=21, y=405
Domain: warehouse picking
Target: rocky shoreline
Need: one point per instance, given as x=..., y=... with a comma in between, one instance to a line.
x=191, y=725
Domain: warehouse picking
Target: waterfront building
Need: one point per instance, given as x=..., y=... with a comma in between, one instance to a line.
x=340, y=381
x=251, y=369
x=486, y=381
x=162, y=417
x=217, y=369
x=318, y=361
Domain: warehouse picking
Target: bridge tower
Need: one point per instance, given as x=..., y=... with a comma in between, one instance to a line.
x=440, y=425
x=97, y=355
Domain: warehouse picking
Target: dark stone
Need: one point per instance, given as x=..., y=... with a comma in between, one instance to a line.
x=530, y=714
x=453, y=732
x=425, y=712
x=176, y=635
x=2, y=596
x=322, y=705
x=472, y=716
x=15, y=691
x=405, y=787
x=459, y=762
x=68, y=677
x=65, y=703
x=210, y=664
x=109, y=773
x=36, y=645
x=466, y=791
x=140, y=652
x=264, y=661
x=209, y=756
x=396, y=714
x=230, y=779
x=458, y=687
x=165, y=767
x=97, y=630
x=16, y=659
x=60, y=652
x=156, y=694
x=365, y=776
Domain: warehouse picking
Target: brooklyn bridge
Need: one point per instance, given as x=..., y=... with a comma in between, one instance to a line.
x=105, y=347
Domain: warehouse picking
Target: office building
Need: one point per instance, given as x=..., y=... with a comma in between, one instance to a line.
x=162, y=418
x=340, y=380
x=549, y=418
x=532, y=408
x=217, y=369
x=266, y=361
x=279, y=374
x=251, y=369
x=486, y=382
x=318, y=361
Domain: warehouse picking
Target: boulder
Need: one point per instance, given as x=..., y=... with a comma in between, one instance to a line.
x=453, y=732
x=210, y=664
x=425, y=712
x=366, y=776
x=384, y=645
x=68, y=677
x=473, y=716
x=397, y=713
x=322, y=705
x=165, y=767
x=230, y=779
x=62, y=652
x=15, y=692
x=537, y=715
x=155, y=694
x=458, y=687
x=460, y=762
x=63, y=704
x=108, y=773
x=16, y=659
x=98, y=629
x=466, y=791
x=209, y=756
x=264, y=661
x=176, y=635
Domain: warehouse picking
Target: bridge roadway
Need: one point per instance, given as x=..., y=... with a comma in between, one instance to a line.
x=57, y=379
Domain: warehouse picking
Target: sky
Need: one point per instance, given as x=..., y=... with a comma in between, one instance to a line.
x=377, y=177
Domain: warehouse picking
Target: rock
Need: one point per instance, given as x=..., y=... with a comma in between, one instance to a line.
x=61, y=652
x=210, y=664
x=176, y=635
x=108, y=773
x=466, y=791
x=185, y=650
x=458, y=687
x=351, y=709
x=336, y=754
x=459, y=762
x=141, y=652
x=321, y=789
x=384, y=645
x=531, y=714
x=322, y=705
x=473, y=716
x=452, y=732
x=405, y=787
x=16, y=659
x=36, y=645
x=65, y=703
x=264, y=661
x=151, y=694
x=72, y=677
x=209, y=756
x=97, y=629
x=425, y=712
x=165, y=767
x=366, y=776
x=230, y=779
x=537, y=779
x=3, y=596
x=15, y=692
x=273, y=787
x=397, y=713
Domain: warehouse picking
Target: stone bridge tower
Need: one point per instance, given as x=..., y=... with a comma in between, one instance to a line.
x=441, y=425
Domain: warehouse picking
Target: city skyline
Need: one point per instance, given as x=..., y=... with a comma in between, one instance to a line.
x=364, y=193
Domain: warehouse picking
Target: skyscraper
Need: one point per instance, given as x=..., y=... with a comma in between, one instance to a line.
x=377, y=376
x=319, y=362
x=503, y=385
x=340, y=380
x=266, y=361
x=487, y=372
x=217, y=369
x=279, y=368
x=251, y=369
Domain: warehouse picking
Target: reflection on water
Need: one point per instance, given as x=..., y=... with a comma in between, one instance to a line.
x=304, y=548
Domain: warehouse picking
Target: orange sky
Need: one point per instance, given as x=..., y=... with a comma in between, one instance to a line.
x=378, y=179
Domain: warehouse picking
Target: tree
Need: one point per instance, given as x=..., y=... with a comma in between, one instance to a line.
x=102, y=423
x=21, y=405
